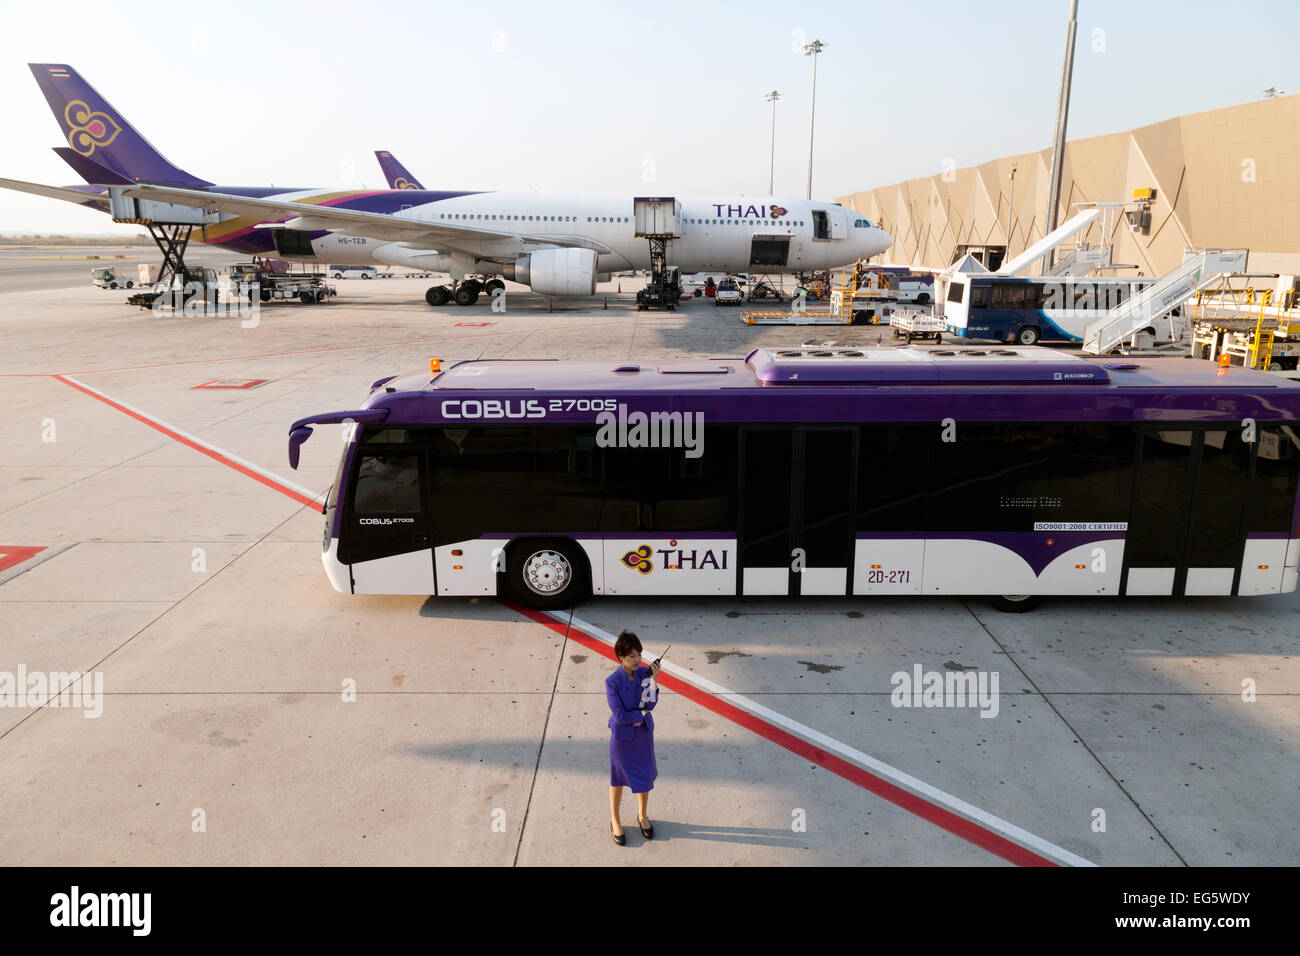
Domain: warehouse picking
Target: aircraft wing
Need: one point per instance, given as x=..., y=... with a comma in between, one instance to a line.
x=373, y=225
x=93, y=196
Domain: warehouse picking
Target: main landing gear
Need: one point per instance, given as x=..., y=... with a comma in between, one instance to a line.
x=465, y=292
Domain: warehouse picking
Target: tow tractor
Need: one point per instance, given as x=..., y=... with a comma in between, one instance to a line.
x=107, y=277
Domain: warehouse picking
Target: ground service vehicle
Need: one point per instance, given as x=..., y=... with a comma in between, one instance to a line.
x=818, y=471
x=352, y=272
x=663, y=290
x=107, y=277
x=1026, y=311
x=307, y=287
x=728, y=293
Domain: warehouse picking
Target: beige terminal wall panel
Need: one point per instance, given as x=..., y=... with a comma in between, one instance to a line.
x=1228, y=177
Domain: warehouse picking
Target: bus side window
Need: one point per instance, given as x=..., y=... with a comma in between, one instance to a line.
x=387, y=484
x=979, y=296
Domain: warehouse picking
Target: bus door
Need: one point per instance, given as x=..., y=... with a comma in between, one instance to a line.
x=798, y=491
x=1187, y=528
x=386, y=525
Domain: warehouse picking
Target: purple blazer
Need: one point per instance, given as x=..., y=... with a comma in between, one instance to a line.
x=624, y=697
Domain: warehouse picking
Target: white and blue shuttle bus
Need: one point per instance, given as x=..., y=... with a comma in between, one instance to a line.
x=1025, y=311
x=1010, y=472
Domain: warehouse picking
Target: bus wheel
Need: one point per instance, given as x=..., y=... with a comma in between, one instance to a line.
x=1015, y=603
x=1027, y=336
x=546, y=574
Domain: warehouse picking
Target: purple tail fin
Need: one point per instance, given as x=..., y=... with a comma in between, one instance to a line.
x=89, y=170
x=397, y=175
x=99, y=133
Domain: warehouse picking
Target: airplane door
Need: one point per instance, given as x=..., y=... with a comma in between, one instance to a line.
x=839, y=224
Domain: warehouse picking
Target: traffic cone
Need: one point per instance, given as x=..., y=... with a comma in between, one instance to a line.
x=606, y=302
x=548, y=306
x=620, y=288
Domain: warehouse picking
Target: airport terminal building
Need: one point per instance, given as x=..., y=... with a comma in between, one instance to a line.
x=1224, y=178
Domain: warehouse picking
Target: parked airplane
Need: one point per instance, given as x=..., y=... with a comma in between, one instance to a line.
x=558, y=244
x=398, y=176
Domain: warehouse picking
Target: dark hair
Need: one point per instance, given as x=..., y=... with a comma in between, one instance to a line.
x=627, y=643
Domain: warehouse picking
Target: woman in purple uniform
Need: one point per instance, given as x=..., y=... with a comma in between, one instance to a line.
x=632, y=691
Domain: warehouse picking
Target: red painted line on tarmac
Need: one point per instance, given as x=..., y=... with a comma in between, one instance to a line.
x=340, y=348
x=203, y=449
x=12, y=554
x=959, y=826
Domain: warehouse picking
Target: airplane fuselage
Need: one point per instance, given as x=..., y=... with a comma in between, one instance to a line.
x=722, y=233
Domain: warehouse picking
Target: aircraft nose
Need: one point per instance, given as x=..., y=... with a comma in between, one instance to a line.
x=881, y=241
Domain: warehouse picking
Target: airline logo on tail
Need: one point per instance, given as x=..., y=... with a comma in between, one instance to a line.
x=401, y=182
x=88, y=129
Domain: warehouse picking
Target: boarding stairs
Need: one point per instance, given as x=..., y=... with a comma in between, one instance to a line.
x=1082, y=261
x=1200, y=268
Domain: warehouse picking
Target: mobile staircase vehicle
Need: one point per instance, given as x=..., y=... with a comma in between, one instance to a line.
x=1199, y=269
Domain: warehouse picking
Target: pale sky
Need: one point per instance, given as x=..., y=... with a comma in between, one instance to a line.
x=559, y=96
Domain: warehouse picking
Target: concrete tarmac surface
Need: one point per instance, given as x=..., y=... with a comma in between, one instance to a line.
x=476, y=734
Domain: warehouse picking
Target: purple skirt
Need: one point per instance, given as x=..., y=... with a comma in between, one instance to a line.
x=632, y=762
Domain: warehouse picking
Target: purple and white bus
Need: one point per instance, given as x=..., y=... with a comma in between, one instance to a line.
x=818, y=471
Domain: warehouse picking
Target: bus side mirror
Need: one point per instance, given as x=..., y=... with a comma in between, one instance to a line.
x=296, y=438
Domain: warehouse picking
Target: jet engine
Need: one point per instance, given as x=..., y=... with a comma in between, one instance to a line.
x=562, y=272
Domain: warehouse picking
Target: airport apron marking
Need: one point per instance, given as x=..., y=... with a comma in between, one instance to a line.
x=951, y=813
x=297, y=492
x=340, y=348
x=12, y=554
x=991, y=833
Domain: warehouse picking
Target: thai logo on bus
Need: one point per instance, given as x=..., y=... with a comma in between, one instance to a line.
x=639, y=560
x=675, y=559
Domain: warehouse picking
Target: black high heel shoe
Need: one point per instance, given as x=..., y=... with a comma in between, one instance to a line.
x=619, y=838
x=647, y=832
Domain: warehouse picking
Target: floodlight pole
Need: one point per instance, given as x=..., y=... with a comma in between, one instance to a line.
x=1062, y=118
x=771, y=177
x=812, y=49
x=1011, y=203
